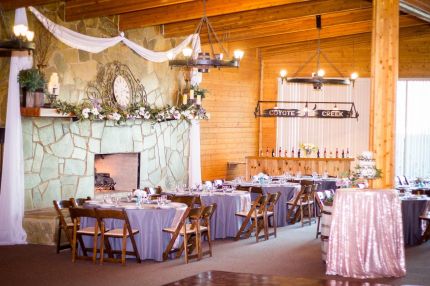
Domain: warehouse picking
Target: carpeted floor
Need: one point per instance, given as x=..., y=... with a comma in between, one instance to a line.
x=295, y=253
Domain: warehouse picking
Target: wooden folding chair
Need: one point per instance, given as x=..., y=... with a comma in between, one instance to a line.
x=255, y=219
x=175, y=231
x=188, y=200
x=191, y=233
x=78, y=232
x=79, y=202
x=125, y=232
x=63, y=225
x=272, y=202
x=205, y=227
x=243, y=188
x=298, y=203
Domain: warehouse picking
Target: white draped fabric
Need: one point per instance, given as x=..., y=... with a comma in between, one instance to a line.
x=96, y=45
x=194, y=162
x=12, y=184
x=325, y=133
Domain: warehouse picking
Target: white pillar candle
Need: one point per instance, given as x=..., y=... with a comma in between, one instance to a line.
x=191, y=94
x=184, y=99
x=54, y=85
x=199, y=99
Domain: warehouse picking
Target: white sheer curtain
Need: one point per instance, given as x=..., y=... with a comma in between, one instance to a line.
x=413, y=128
x=326, y=133
x=194, y=169
x=12, y=184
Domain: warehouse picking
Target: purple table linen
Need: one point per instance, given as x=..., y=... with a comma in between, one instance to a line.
x=366, y=235
x=224, y=222
x=151, y=240
x=411, y=210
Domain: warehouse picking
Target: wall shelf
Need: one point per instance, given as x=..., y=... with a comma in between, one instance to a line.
x=43, y=112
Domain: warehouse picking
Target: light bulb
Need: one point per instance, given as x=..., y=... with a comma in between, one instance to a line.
x=283, y=73
x=321, y=72
x=169, y=56
x=29, y=35
x=354, y=76
x=20, y=30
x=238, y=54
x=187, y=52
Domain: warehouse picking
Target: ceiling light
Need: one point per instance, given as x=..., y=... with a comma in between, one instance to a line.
x=203, y=61
x=354, y=76
x=317, y=79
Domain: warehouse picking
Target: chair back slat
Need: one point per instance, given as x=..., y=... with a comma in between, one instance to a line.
x=82, y=212
x=256, y=190
x=272, y=201
x=111, y=213
x=188, y=200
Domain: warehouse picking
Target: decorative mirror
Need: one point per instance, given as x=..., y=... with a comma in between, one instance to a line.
x=116, y=86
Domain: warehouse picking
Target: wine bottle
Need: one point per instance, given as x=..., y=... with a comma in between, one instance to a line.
x=343, y=153
x=318, y=153
x=285, y=153
x=292, y=153
x=267, y=151
x=337, y=153
x=325, y=152
x=273, y=152
x=298, y=153
x=347, y=152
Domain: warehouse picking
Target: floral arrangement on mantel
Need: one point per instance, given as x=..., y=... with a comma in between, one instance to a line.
x=308, y=148
x=93, y=110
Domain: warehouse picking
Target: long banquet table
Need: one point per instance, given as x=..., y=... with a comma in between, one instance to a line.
x=366, y=235
x=150, y=220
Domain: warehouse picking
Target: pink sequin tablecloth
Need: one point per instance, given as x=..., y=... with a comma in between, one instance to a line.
x=366, y=235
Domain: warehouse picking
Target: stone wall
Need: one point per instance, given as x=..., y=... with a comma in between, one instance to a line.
x=59, y=155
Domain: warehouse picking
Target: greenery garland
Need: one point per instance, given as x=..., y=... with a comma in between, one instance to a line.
x=92, y=110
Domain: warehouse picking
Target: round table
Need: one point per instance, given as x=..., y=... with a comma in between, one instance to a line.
x=150, y=220
x=412, y=208
x=224, y=222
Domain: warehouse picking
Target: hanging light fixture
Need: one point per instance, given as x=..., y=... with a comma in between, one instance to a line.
x=317, y=78
x=22, y=38
x=204, y=61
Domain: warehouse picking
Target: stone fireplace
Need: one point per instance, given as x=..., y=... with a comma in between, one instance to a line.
x=59, y=155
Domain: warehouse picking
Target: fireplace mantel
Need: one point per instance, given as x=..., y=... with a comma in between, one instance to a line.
x=43, y=112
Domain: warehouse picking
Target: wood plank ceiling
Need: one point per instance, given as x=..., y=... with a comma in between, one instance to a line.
x=271, y=25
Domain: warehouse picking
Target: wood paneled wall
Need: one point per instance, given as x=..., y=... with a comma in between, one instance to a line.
x=231, y=134
x=414, y=51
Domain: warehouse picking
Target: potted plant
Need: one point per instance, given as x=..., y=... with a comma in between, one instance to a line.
x=32, y=84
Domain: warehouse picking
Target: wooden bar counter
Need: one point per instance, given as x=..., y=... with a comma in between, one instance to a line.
x=275, y=166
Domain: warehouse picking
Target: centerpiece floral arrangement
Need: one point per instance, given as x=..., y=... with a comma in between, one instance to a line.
x=308, y=148
x=94, y=110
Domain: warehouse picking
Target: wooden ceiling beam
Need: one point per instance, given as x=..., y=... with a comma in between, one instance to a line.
x=293, y=25
x=266, y=15
x=406, y=33
x=13, y=4
x=312, y=34
x=79, y=9
x=193, y=10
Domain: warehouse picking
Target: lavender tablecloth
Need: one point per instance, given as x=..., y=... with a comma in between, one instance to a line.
x=224, y=222
x=411, y=210
x=366, y=235
x=150, y=221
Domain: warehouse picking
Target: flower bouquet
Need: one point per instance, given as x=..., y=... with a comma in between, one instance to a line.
x=308, y=148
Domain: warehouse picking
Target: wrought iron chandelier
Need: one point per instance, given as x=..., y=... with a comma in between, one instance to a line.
x=22, y=38
x=317, y=79
x=204, y=61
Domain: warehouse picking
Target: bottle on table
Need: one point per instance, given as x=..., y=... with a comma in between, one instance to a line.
x=298, y=153
x=280, y=152
x=285, y=153
x=325, y=152
x=347, y=152
x=337, y=153
x=292, y=153
x=267, y=151
x=273, y=152
x=343, y=153
x=318, y=153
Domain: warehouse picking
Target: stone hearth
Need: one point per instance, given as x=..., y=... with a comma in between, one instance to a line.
x=59, y=155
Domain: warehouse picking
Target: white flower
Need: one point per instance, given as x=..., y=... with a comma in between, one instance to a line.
x=176, y=114
x=85, y=112
x=147, y=115
x=190, y=116
x=95, y=111
x=115, y=116
x=101, y=116
x=142, y=111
